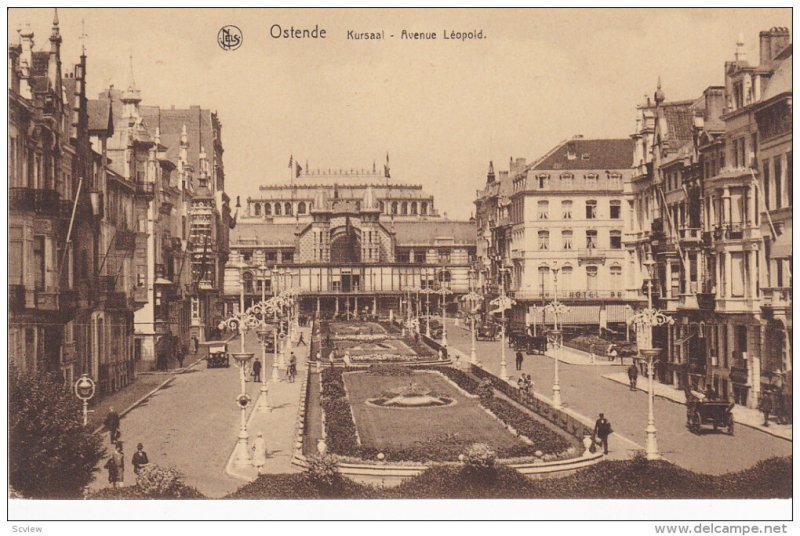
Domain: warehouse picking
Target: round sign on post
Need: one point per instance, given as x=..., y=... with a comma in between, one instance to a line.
x=84, y=390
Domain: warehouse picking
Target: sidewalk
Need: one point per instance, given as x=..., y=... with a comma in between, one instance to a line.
x=568, y=355
x=277, y=425
x=741, y=415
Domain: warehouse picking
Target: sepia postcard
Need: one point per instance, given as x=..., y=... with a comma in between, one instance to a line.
x=400, y=264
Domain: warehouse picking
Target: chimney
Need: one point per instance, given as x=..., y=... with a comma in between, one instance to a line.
x=771, y=43
x=715, y=102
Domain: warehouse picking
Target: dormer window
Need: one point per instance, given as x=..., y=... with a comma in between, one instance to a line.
x=542, y=180
x=566, y=178
x=585, y=156
x=591, y=178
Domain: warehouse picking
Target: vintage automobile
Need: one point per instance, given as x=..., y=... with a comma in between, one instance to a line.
x=701, y=411
x=218, y=355
x=536, y=345
x=487, y=332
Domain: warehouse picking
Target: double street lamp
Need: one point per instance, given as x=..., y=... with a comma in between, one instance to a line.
x=556, y=335
x=428, y=291
x=644, y=322
x=501, y=304
x=472, y=299
x=444, y=292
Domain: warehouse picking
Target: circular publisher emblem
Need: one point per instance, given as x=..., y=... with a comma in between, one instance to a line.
x=230, y=37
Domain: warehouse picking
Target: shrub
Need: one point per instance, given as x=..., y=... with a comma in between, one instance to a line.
x=390, y=370
x=158, y=482
x=485, y=391
x=51, y=454
x=322, y=471
x=480, y=456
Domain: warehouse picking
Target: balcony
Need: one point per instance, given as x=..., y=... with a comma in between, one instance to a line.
x=706, y=301
x=140, y=296
x=125, y=240
x=729, y=231
x=690, y=235
x=45, y=202
x=46, y=301
x=145, y=190
x=591, y=255
x=777, y=297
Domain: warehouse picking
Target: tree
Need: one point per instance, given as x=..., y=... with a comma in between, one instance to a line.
x=51, y=454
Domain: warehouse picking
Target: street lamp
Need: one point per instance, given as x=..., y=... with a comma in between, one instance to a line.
x=243, y=322
x=502, y=303
x=444, y=291
x=84, y=389
x=558, y=308
x=427, y=291
x=644, y=323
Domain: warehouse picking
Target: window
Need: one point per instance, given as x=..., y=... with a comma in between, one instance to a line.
x=287, y=209
x=247, y=281
x=424, y=209
x=591, y=278
x=277, y=209
x=766, y=185
x=38, y=262
x=616, y=240
x=616, y=210
x=543, y=210
x=615, y=180
x=444, y=256
x=591, y=239
x=288, y=256
x=247, y=256
x=566, y=179
x=403, y=257
x=267, y=209
x=543, y=180
x=301, y=207
x=566, y=238
x=591, y=178
x=591, y=210
x=257, y=209
x=404, y=209
x=15, y=256
x=394, y=207
x=566, y=210
x=616, y=276
x=270, y=256
x=776, y=165
x=544, y=240
x=565, y=280
x=789, y=177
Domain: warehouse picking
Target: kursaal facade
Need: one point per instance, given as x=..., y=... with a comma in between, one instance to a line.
x=352, y=243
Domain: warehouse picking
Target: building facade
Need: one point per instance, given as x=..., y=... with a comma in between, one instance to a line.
x=555, y=226
x=351, y=242
x=712, y=190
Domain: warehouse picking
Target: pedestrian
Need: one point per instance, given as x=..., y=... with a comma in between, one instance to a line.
x=529, y=383
x=112, y=423
x=766, y=407
x=195, y=344
x=113, y=475
x=257, y=371
x=602, y=429
x=519, y=360
x=139, y=459
x=301, y=341
x=522, y=383
x=259, y=453
x=119, y=461
x=181, y=354
x=612, y=353
x=292, y=371
x=633, y=374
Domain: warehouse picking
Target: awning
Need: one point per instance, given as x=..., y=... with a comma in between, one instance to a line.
x=782, y=247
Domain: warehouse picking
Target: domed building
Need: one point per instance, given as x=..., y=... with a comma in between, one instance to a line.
x=351, y=242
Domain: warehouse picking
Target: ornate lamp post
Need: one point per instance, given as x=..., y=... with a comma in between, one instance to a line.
x=444, y=292
x=472, y=298
x=501, y=304
x=555, y=337
x=85, y=389
x=427, y=291
x=644, y=322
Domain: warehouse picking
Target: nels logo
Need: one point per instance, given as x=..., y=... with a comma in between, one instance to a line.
x=230, y=37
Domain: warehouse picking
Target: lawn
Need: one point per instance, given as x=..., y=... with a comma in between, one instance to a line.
x=464, y=422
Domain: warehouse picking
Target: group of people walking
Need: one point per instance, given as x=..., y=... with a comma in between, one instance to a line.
x=115, y=465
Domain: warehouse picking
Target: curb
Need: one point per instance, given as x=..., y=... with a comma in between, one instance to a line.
x=763, y=429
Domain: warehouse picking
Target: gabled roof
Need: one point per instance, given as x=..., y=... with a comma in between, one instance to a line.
x=100, y=117
x=781, y=80
x=590, y=154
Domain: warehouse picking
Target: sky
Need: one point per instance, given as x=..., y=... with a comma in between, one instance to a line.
x=441, y=109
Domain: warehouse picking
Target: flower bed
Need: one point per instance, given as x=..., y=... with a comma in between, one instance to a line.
x=342, y=436
x=564, y=421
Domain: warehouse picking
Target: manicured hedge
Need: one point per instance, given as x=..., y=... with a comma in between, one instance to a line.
x=620, y=479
